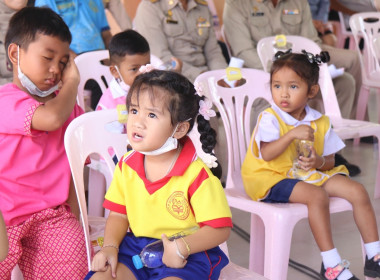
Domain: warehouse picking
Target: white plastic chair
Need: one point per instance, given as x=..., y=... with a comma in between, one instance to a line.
x=345, y=128
x=366, y=26
x=90, y=67
x=86, y=135
x=271, y=224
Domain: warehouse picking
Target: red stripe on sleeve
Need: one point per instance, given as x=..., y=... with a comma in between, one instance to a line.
x=197, y=182
x=218, y=223
x=114, y=207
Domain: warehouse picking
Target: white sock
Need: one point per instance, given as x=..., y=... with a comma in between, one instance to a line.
x=331, y=258
x=372, y=249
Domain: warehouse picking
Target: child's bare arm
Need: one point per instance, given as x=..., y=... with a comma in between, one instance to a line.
x=115, y=230
x=204, y=239
x=271, y=150
x=3, y=239
x=55, y=112
x=16, y=4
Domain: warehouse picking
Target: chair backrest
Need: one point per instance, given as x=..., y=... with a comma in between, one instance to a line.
x=90, y=67
x=366, y=26
x=266, y=49
x=88, y=135
x=235, y=106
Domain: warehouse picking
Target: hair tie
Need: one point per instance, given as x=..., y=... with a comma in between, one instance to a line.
x=209, y=160
x=205, y=109
x=280, y=54
x=318, y=58
x=146, y=68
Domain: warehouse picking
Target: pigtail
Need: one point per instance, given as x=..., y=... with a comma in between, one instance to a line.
x=208, y=134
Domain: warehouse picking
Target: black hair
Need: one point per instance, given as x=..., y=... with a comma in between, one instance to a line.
x=182, y=102
x=305, y=65
x=28, y=22
x=128, y=42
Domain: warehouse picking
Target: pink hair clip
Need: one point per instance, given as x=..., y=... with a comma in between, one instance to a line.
x=198, y=89
x=146, y=68
x=205, y=109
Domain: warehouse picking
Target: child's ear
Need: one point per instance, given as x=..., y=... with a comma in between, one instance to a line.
x=12, y=53
x=313, y=91
x=182, y=130
x=114, y=72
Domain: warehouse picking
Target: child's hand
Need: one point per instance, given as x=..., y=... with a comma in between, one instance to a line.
x=170, y=257
x=107, y=256
x=70, y=73
x=303, y=132
x=307, y=163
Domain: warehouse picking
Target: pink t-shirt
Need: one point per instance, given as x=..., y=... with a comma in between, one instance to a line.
x=113, y=96
x=34, y=170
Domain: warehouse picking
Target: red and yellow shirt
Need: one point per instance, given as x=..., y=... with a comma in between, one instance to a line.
x=190, y=195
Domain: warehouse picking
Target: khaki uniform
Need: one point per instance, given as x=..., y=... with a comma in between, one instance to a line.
x=6, y=13
x=247, y=21
x=187, y=35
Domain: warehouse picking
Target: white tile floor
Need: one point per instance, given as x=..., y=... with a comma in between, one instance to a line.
x=346, y=236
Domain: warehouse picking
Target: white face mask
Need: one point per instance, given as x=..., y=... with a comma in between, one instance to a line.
x=28, y=84
x=121, y=82
x=170, y=144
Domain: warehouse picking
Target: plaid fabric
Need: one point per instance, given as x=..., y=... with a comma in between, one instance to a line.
x=48, y=245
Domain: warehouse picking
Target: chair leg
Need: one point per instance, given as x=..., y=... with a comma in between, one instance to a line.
x=257, y=246
x=17, y=274
x=377, y=183
x=96, y=191
x=362, y=103
x=278, y=239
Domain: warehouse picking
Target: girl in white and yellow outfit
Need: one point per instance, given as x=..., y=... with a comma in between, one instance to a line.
x=268, y=173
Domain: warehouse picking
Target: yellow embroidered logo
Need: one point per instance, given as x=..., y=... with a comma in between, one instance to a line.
x=178, y=206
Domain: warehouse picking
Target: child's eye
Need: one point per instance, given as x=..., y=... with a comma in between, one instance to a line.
x=133, y=111
x=47, y=58
x=151, y=115
x=293, y=86
x=134, y=69
x=63, y=63
x=276, y=86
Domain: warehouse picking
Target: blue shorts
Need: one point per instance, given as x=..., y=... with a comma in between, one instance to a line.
x=204, y=265
x=281, y=191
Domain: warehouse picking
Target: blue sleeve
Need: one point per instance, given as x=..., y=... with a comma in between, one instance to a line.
x=48, y=3
x=99, y=16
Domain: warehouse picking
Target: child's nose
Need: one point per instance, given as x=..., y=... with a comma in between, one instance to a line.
x=138, y=121
x=284, y=92
x=54, y=68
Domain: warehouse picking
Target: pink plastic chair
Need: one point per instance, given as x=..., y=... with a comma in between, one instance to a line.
x=367, y=26
x=342, y=34
x=271, y=224
x=345, y=128
x=87, y=135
